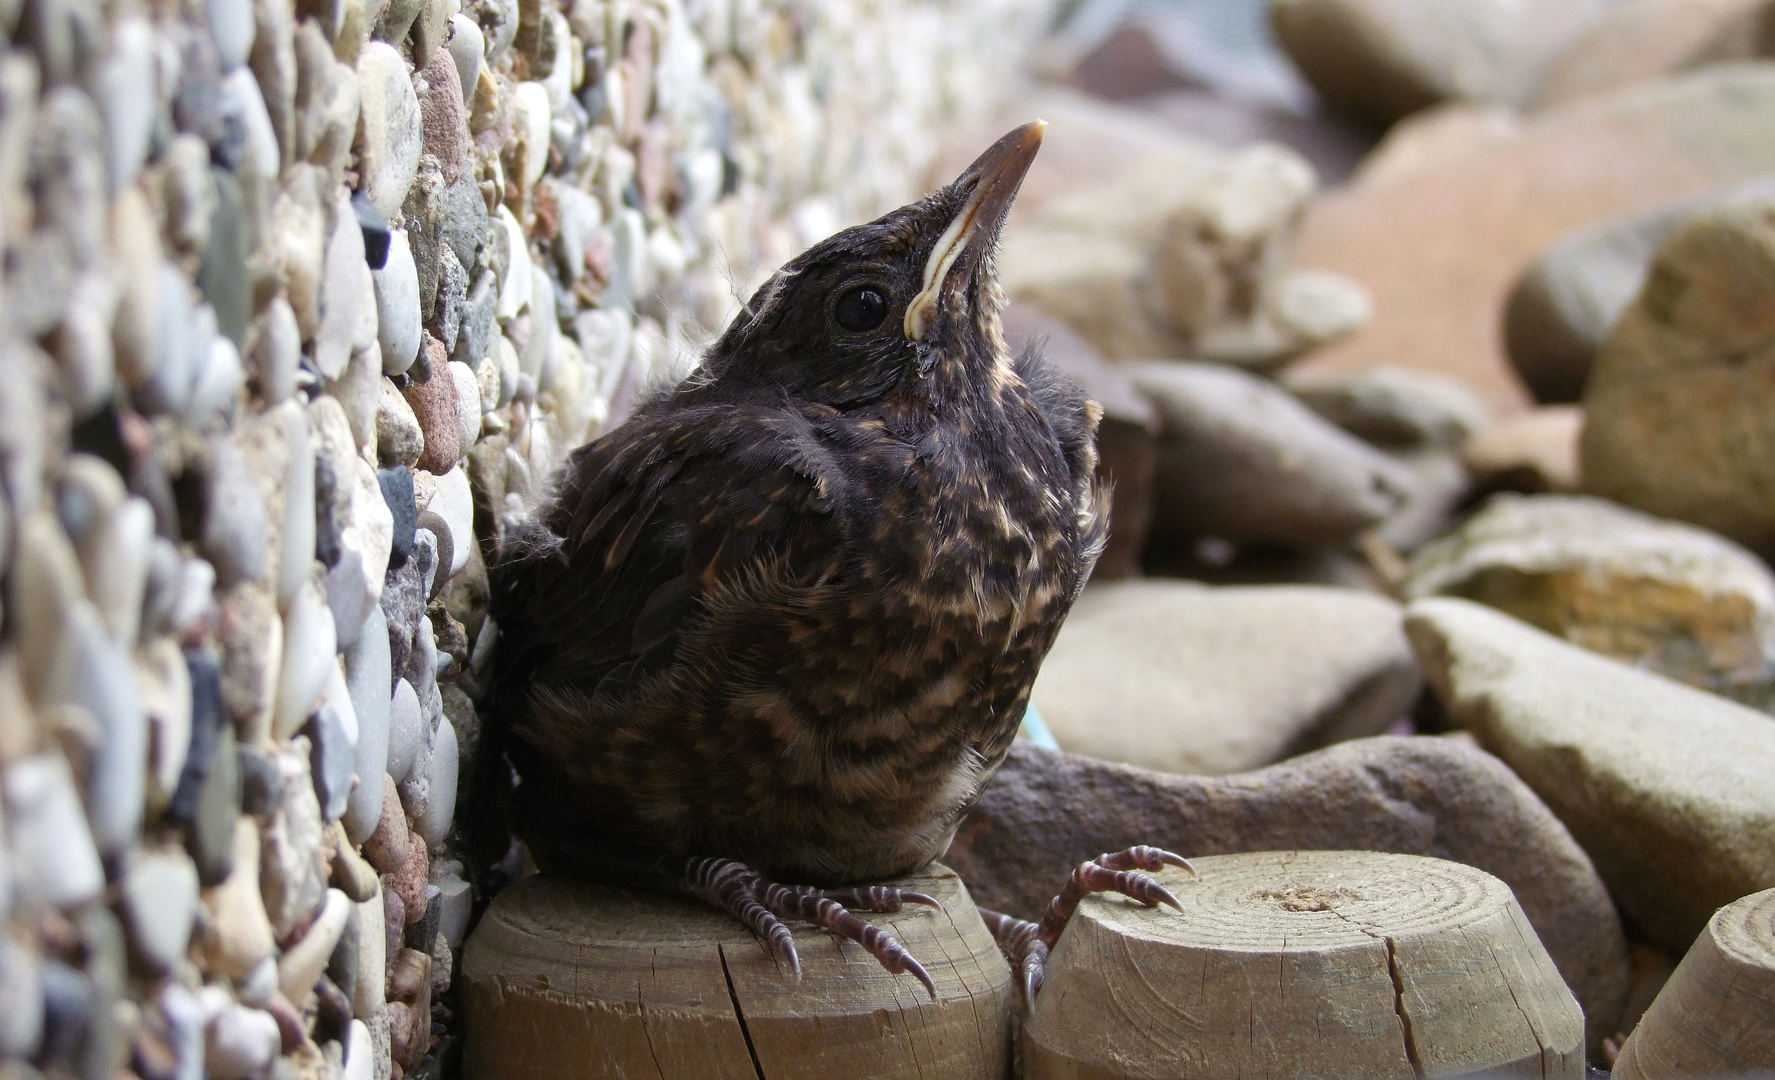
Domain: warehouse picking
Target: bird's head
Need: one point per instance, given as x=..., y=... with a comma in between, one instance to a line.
x=907, y=303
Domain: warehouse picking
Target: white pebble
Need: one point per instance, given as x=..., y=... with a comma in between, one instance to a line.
x=397, y=306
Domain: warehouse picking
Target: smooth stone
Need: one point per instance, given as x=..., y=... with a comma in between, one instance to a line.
x=386, y=848
x=366, y=536
x=232, y=28
x=1242, y=460
x=465, y=226
x=1186, y=678
x=440, y=805
x=398, y=493
x=1678, y=407
x=1646, y=40
x=1667, y=787
x=455, y=903
x=234, y=533
x=301, y=965
x=159, y=900
x=1658, y=595
x=309, y=645
x=1398, y=408
x=252, y=653
x=125, y=94
x=222, y=273
x=406, y=732
x=367, y=673
x=135, y=244
x=241, y=1042
x=530, y=122
x=261, y=782
x=293, y=863
x=468, y=403
x=241, y=96
x=347, y=296
x=1440, y=491
x=211, y=839
x=333, y=759
x=1045, y=812
x=105, y=686
x=259, y=986
x=539, y=345
x=53, y=858
x=240, y=938
x=360, y=1054
x=434, y=405
x=352, y=875
x=515, y=288
x=1561, y=310
x=444, y=114
x=375, y=229
x=163, y=678
x=372, y=957
x=295, y=561
x=398, y=438
x=203, y=732
x=1380, y=60
x=69, y=1015
x=21, y=1000
x=397, y=305
x=217, y=385
x=275, y=350
x=1441, y=248
x=478, y=328
x=403, y=605
x=1534, y=452
x=82, y=343
x=455, y=503
x=181, y=1016
x=389, y=129
x=467, y=49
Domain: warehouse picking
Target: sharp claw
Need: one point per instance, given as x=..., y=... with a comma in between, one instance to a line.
x=1164, y=897
x=917, y=971
x=920, y=898
x=1178, y=861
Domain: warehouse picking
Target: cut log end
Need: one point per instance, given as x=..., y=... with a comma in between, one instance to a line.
x=1335, y=964
x=1716, y=1014
x=572, y=979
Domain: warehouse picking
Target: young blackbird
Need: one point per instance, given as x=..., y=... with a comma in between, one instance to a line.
x=781, y=625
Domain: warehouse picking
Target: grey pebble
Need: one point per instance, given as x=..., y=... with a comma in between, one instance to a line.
x=211, y=838
x=406, y=732
x=233, y=535
x=397, y=492
x=332, y=758
x=367, y=674
x=222, y=272
x=232, y=28
x=159, y=901
x=468, y=48
x=53, y=856
x=21, y=1000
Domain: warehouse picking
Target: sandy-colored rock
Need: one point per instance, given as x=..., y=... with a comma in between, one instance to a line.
x=1435, y=136
x=1379, y=60
x=1046, y=812
x=1534, y=451
x=1659, y=595
x=1680, y=408
x=1440, y=248
x=1186, y=678
x=1667, y=787
x=1641, y=40
x=1396, y=408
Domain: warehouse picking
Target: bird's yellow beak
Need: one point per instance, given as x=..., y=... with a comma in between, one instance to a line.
x=996, y=176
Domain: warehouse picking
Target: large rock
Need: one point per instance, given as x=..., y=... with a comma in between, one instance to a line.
x=1159, y=245
x=1188, y=678
x=1680, y=410
x=1561, y=311
x=1641, y=40
x=1667, y=787
x=1242, y=460
x=1379, y=60
x=1440, y=247
x=1659, y=595
x=1397, y=408
x=1046, y=812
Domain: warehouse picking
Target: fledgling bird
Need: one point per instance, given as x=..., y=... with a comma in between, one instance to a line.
x=781, y=625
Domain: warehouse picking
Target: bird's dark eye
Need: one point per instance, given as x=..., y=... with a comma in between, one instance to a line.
x=862, y=308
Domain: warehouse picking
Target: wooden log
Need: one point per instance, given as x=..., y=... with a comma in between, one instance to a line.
x=1312, y=963
x=566, y=979
x=1716, y=1014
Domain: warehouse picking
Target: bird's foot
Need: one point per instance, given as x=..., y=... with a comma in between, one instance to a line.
x=761, y=906
x=1027, y=944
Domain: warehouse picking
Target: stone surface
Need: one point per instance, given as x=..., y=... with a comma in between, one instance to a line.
x=1397, y=408
x=1441, y=247
x=303, y=961
x=367, y=673
x=239, y=937
x=454, y=503
x=434, y=405
x=241, y=1042
x=389, y=128
x=1562, y=309
x=440, y=804
x=1677, y=412
x=293, y=871
x=309, y=643
x=405, y=731
x=1659, y=595
x=1533, y=452
x=1241, y=460
x=1667, y=787
x=52, y=854
x=398, y=438
x=1380, y=60
x=397, y=305
x=1642, y=40
x=1045, y=812
x=159, y=900
x=1186, y=678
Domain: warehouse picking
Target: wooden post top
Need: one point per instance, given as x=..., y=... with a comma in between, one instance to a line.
x=566, y=978
x=1321, y=963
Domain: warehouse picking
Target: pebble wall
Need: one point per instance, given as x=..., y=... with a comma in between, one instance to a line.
x=300, y=305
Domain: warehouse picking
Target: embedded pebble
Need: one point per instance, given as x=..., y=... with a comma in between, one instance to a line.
x=159, y=900
x=406, y=731
x=53, y=857
x=467, y=47
x=478, y=313
x=309, y=645
x=397, y=305
x=455, y=902
x=275, y=350
x=468, y=404
x=125, y=93
x=360, y=1054
x=234, y=529
x=444, y=114
x=434, y=403
x=372, y=956
x=21, y=1000
x=240, y=1043
x=398, y=438
x=211, y=838
x=386, y=847
x=403, y=603
x=333, y=753
x=232, y=29
x=514, y=294
x=409, y=881
x=293, y=871
x=366, y=535
x=398, y=493
x=440, y=807
x=367, y=674
x=240, y=936
x=455, y=504
x=389, y=126
x=296, y=542
x=346, y=297
x=303, y=962
x=351, y=874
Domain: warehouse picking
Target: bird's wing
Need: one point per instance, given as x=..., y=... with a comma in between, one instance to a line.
x=1073, y=417
x=650, y=518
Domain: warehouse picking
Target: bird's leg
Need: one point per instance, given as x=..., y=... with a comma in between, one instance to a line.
x=761, y=906
x=1027, y=944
